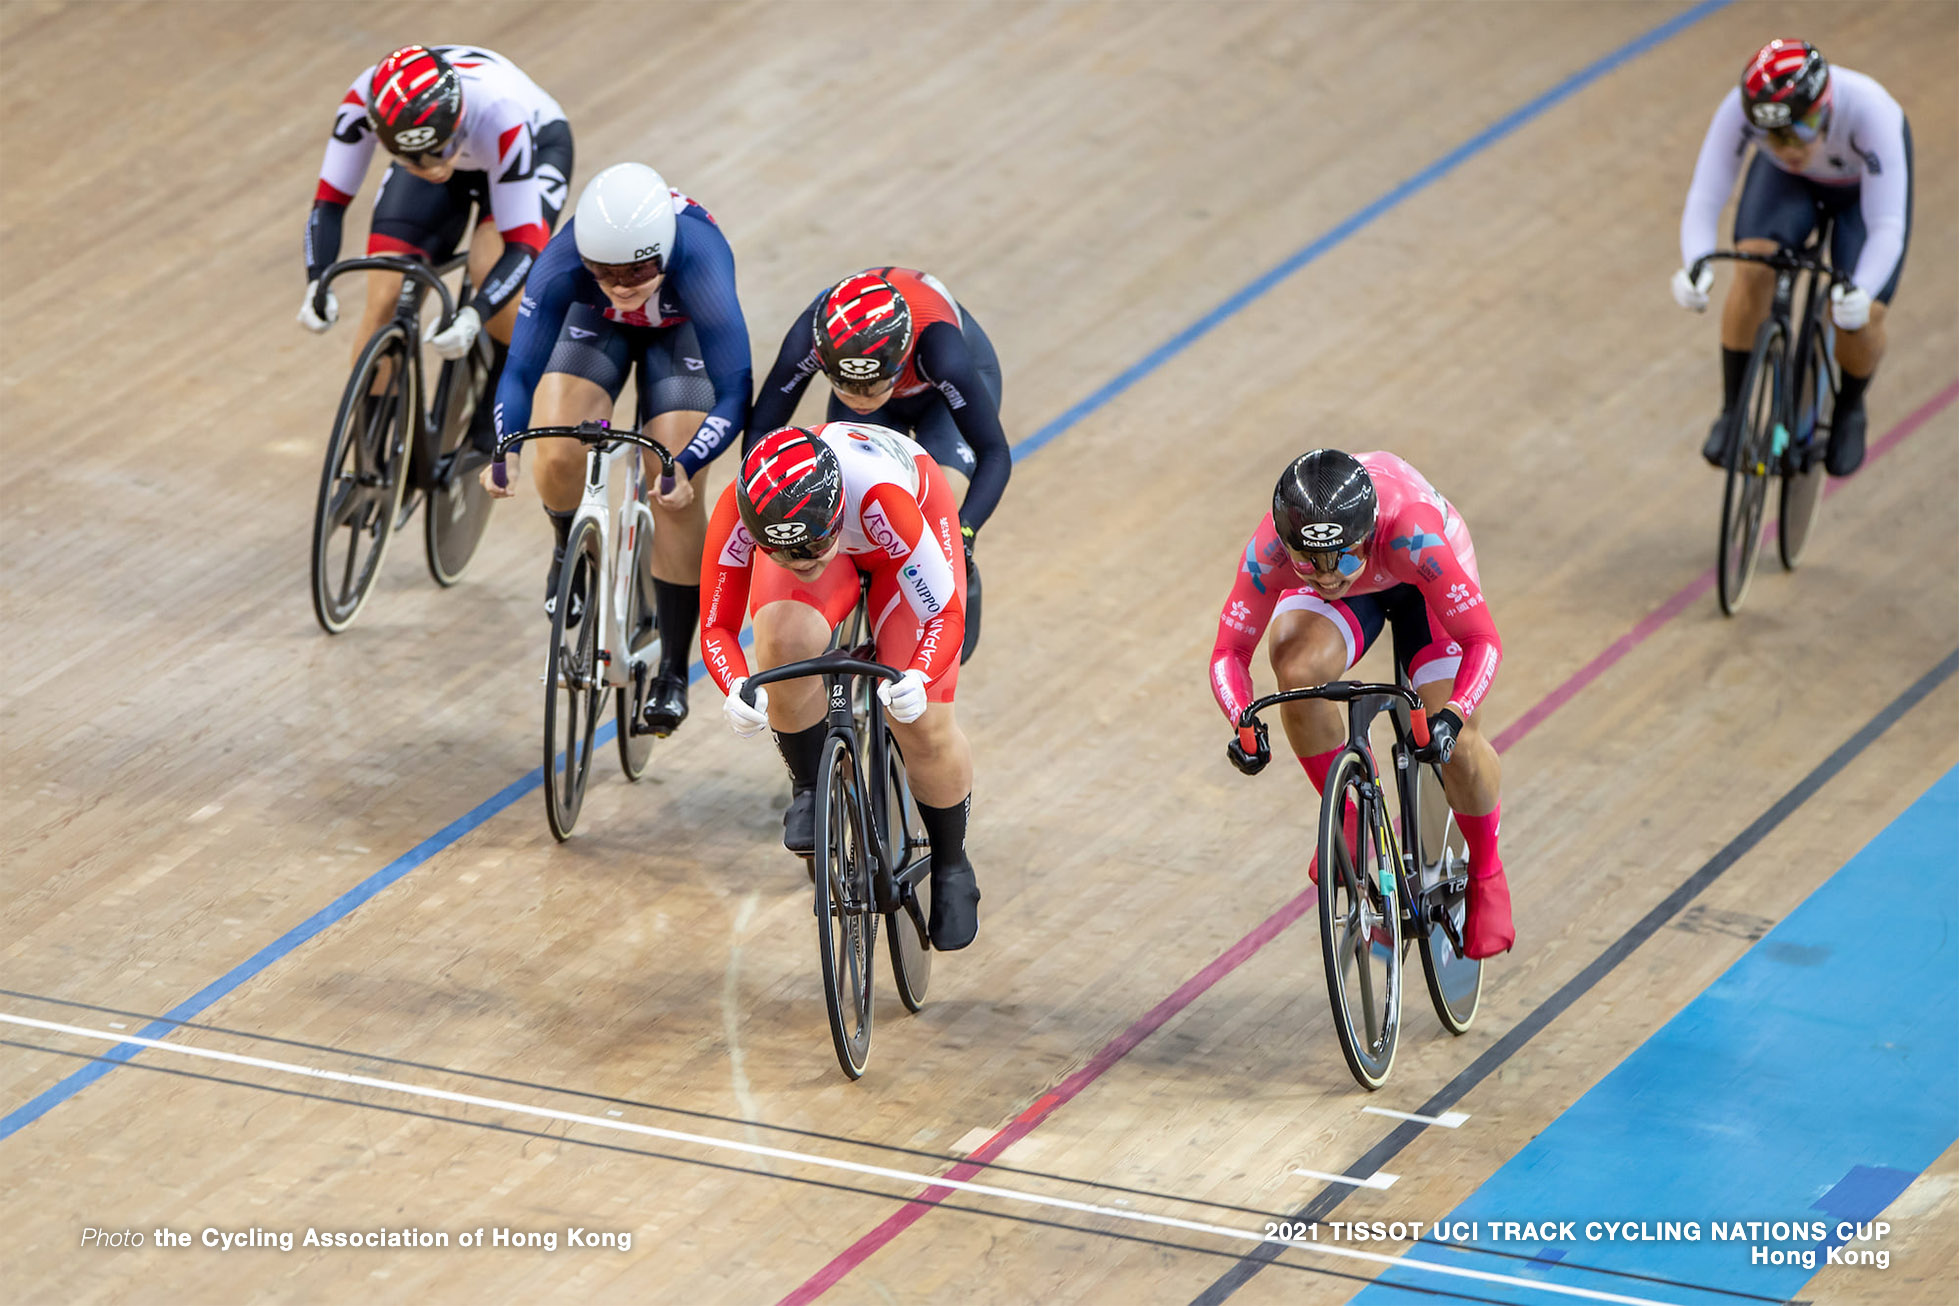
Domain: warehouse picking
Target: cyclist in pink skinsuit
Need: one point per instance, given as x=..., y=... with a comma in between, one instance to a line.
x=1355, y=543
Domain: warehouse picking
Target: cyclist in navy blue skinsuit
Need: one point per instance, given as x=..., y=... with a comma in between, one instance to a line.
x=642, y=280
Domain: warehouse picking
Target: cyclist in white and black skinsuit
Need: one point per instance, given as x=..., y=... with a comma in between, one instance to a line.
x=463, y=126
x=1824, y=136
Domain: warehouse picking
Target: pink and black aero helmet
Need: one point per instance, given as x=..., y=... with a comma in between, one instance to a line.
x=415, y=101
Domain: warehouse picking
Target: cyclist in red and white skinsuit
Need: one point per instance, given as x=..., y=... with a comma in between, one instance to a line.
x=463, y=126
x=810, y=512
x=1355, y=543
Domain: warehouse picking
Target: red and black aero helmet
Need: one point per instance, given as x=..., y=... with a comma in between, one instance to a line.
x=1784, y=83
x=863, y=330
x=415, y=101
x=791, y=494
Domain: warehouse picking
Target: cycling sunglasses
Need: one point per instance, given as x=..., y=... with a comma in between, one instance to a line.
x=1775, y=119
x=862, y=389
x=1348, y=562
x=626, y=274
x=806, y=551
x=429, y=158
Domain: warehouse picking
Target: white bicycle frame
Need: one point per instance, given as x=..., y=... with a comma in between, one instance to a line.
x=633, y=517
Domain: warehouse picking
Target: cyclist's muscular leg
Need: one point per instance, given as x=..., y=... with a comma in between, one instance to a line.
x=680, y=526
x=383, y=290
x=558, y=466
x=789, y=631
x=939, y=766
x=938, y=759
x=1306, y=649
x=1471, y=783
x=1749, y=296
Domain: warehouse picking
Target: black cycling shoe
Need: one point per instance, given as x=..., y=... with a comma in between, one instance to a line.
x=955, y=915
x=800, y=823
x=1716, y=447
x=578, y=593
x=666, y=705
x=1846, y=451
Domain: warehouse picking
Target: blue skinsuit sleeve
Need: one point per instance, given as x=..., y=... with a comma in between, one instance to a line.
x=704, y=282
x=548, y=293
x=944, y=360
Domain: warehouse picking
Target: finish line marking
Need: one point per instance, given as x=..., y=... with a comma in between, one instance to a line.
x=1448, y=1120
x=1379, y=1179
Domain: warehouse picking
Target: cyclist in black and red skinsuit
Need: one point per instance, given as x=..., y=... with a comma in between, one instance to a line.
x=902, y=353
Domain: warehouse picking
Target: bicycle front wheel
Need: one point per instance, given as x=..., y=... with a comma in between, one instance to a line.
x=1803, y=483
x=847, y=921
x=638, y=625
x=1752, y=454
x=1456, y=982
x=362, y=480
x=1360, y=923
x=574, y=683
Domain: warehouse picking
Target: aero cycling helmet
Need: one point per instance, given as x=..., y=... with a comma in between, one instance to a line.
x=1324, y=509
x=863, y=331
x=791, y=493
x=415, y=102
x=624, y=223
x=1786, y=83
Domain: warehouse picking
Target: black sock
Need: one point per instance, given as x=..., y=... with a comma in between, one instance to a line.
x=561, y=523
x=1734, y=363
x=802, y=750
x=1851, y=389
x=677, y=607
x=946, y=829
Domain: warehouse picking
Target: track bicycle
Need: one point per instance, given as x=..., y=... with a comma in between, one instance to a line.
x=604, y=632
x=1783, y=426
x=390, y=448
x=1383, y=882
x=870, y=860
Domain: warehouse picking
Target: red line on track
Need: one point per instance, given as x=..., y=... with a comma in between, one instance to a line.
x=1263, y=933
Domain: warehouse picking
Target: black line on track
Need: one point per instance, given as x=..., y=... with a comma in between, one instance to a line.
x=939, y=1157
x=1332, y=1195
x=547, y=1136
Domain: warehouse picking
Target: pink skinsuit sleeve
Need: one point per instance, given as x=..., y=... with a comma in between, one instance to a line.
x=1248, y=608
x=1453, y=595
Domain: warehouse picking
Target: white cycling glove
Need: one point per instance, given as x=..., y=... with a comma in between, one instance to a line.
x=1851, y=308
x=1692, y=292
x=456, y=341
x=746, y=721
x=313, y=321
x=905, y=698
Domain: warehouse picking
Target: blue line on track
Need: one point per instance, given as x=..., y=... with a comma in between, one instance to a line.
x=34, y=1109
x=1809, y=1084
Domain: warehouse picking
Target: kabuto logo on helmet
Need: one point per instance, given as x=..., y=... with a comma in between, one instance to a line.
x=865, y=368
x=1770, y=114
x=786, y=532
x=415, y=139
x=1322, y=533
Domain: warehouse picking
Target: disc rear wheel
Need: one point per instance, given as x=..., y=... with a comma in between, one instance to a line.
x=459, y=506
x=361, y=482
x=574, y=682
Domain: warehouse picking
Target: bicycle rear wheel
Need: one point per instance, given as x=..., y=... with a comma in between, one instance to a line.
x=642, y=637
x=459, y=506
x=361, y=482
x=1456, y=982
x=1803, y=486
x=1360, y=925
x=1751, y=455
x=573, y=683
x=893, y=817
x=847, y=922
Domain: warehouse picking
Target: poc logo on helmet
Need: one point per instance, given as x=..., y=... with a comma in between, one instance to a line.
x=1322, y=533
x=415, y=138
x=786, y=532
x=648, y=251
x=864, y=368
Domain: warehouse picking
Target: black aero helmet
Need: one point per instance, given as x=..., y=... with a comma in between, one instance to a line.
x=1324, y=503
x=791, y=494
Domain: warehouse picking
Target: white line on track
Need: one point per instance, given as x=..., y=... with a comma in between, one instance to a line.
x=1448, y=1120
x=1379, y=1179
x=808, y=1158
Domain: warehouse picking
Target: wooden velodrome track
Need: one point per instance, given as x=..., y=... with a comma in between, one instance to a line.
x=193, y=772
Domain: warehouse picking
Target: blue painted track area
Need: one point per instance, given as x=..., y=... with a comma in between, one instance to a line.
x=1808, y=1085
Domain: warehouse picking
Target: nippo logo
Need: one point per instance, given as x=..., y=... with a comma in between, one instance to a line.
x=786, y=532
x=1322, y=533
x=858, y=368
x=415, y=139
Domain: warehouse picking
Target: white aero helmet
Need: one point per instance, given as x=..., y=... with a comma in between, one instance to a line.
x=626, y=215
